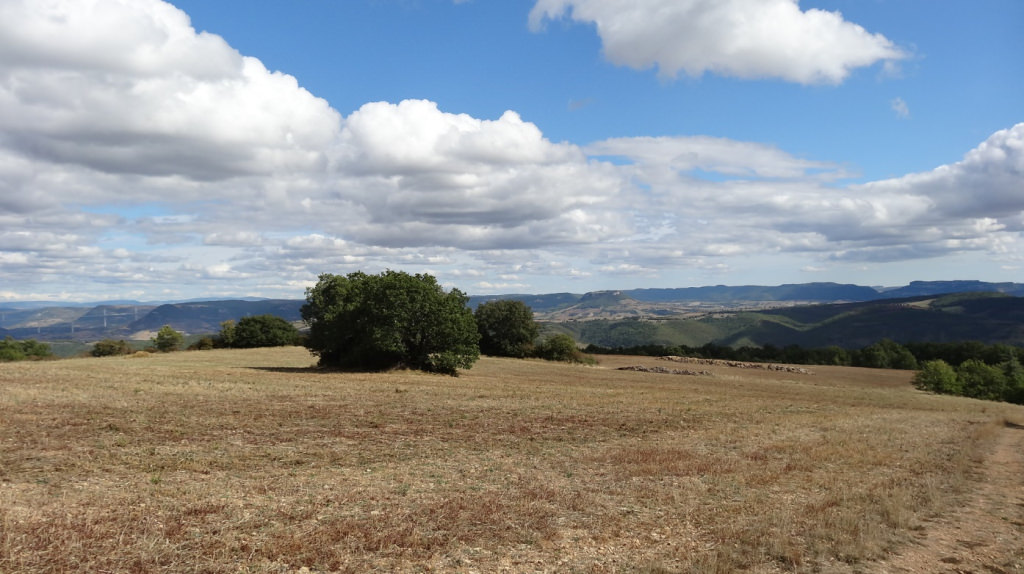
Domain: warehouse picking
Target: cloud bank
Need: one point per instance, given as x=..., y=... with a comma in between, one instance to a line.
x=142, y=158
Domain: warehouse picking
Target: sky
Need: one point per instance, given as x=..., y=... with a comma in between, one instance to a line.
x=154, y=150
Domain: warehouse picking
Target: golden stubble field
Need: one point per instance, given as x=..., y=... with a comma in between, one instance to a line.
x=249, y=461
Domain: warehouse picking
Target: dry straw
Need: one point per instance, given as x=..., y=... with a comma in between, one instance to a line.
x=249, y=461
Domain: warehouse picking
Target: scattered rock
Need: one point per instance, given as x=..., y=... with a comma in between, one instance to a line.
x=739, y=364
x=666, y=371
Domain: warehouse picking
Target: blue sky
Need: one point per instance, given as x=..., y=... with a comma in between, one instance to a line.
x=193, y=148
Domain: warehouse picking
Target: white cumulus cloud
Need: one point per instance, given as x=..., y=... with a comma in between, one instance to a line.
x=129, y=87
x=423, y=176
x=738, y=38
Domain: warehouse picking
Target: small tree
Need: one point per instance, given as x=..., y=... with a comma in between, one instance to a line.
x=226, y=338
x=561, y=347
x=110, y=347
x=394, y=319
x=261, y=331
x=506, y=328
x=938, y=377
x=167, y=339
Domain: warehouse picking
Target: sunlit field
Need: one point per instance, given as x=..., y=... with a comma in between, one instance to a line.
x=250, y=461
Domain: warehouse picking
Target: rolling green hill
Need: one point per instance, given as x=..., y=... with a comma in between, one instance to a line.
x=985, y=317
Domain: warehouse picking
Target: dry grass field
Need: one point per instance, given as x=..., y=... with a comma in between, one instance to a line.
x=248, y=461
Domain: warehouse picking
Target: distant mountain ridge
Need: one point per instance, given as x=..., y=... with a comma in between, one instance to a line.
x=125, y=319
x=810, y=292
x=917, y=288
x=128, y=321
x=988, y=317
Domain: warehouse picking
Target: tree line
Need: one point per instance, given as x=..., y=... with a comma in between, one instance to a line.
x=248, y=332
x=967, y=368
x=885, y=354
x=974, y=378
x=385, y=321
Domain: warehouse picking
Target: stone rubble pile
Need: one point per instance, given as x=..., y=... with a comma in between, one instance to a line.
x=666, y=371
x=738, y=364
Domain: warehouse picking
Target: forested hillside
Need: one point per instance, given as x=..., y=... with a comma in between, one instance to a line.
x=984, y=317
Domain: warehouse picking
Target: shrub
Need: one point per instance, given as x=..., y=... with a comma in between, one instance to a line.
x=11, y=350
x=259, y=331
x=562, y=347
x=981, y=381
x=110, y=347
x=938, y=377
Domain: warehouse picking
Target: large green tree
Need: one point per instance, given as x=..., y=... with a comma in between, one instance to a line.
x=506, y=328
x=393, y=319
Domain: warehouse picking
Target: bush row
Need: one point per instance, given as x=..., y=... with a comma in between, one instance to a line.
x=29, y=349
x=974, y=378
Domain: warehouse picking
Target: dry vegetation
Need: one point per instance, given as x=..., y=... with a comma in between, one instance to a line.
x=247, y=461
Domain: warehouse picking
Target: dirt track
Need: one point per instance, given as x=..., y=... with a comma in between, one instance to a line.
x=987, y=534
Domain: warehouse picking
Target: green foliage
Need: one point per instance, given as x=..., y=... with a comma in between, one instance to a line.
x=394, y=319
x=1013, y=374
x=110, y=347
x=938, y=377
x=506, y=328
x=981, y=381
x=167, y=339
x=29, y=349
x=258, y=331
x=227, y=333
x=885, y=354
x=561, y=347
x=975, y=378
x=832, y=355
x=10, y=350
